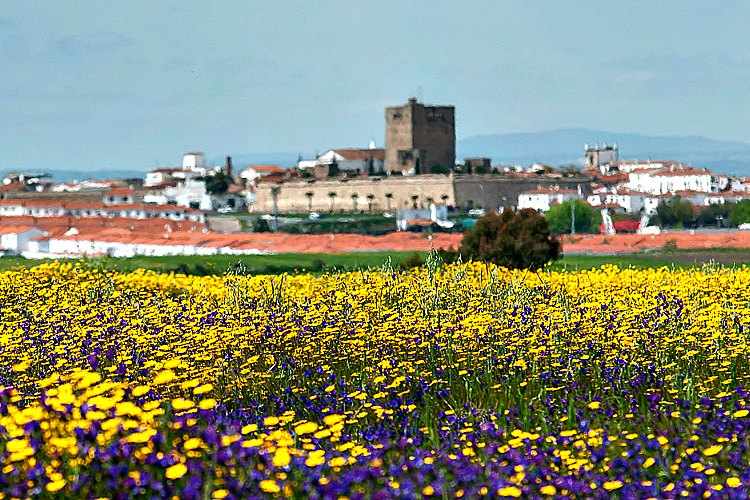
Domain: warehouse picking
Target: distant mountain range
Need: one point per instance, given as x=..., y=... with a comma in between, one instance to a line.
x=565, y=146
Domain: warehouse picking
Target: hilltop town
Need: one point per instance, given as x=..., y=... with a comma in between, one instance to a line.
x=413, y=184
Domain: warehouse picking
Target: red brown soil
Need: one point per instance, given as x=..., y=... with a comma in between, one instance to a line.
x=634, y=243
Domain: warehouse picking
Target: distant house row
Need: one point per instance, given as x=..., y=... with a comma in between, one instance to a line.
x=81, y=208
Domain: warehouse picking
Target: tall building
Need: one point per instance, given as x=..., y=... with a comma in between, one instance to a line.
x=598, y=156
x=419, y=138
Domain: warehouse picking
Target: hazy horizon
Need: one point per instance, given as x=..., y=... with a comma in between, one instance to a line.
x=129, y=86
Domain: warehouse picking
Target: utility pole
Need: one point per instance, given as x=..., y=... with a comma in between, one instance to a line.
x=572, y=217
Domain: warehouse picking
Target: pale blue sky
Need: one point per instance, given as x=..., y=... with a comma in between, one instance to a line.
x=93, y=84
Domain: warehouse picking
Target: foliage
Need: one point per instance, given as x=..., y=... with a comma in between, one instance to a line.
x=715, y=214
x=440, y=169
x=587, y=219
x=261, y=226
x=412, y=261
x=675, y=212
x=217, y=183
x=517, y=240
x=740, y=213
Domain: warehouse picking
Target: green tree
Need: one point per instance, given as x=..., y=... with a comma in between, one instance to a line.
x=715, y=214
x=675, y=212
x=517, y=240
x=440, y=169
x=217, y=183
x=587, y=219
x=740, y=213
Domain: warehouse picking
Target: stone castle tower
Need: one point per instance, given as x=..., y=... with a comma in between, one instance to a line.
x=419, y=138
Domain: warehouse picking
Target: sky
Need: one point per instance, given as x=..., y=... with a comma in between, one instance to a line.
x=129, y=85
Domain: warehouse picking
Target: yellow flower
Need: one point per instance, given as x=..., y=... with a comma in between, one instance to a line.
x=207, y=404
x=734, y=482
x=202, y=389
x=269, y=486
x=164, y=377
x=281, y=458
x=548, y=490
x=712, y=450
x=740, y=413
x=331, y=420
x=54, y=486
x=192, y=443
x=220, y=494
x=428, y=491
x=141, y=390
x=16, y=445
x=306, y=428
x=176, y=471
x=612, y=485
x=510, y=491
x=181, y=404
x=648, y=462
x=594, y=405
x=317, y=457
x=270, y=421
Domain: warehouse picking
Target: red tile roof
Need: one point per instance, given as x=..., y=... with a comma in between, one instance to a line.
x=361, y=154
x=268, y=169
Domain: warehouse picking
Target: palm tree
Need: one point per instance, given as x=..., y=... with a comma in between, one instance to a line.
x=332, y=196
x=388, y=197
x=309, y=195
x=275, y=191
x=370, y=197
x=355, y=198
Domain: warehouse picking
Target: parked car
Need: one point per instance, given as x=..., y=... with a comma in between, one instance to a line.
x=476, y=212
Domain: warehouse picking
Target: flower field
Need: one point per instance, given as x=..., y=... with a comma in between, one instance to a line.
x=447, y=381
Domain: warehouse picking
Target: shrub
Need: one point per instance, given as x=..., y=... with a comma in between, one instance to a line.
x=587, y=219
x=412, y=261
x=740, y=213
x=675, y=212
x=517, y=240
x=261, y=226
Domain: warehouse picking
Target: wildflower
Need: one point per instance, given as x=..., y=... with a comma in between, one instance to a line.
x=269, y=486
x=176, y=471
x=612, y=485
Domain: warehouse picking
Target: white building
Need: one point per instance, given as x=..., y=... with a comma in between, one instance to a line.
x=15, y=240
x=119, y=196
x=358, y=161
x=160, y=176
x=194, y=160
x=632, y=202
x=674, y=179
x=541, y=199
x=252, y=173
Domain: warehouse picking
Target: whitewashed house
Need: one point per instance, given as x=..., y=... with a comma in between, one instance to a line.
x=674, y=179
x=119, y=196
x=352, y=160
x=541, y=199
x=15, y=240
x=252, y=173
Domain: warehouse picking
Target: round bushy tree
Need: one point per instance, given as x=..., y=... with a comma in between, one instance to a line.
x=740, y=213
x=517, y=240
x=587, y=219
x=675, y=212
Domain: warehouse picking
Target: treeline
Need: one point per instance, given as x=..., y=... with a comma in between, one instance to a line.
x=673, y=213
